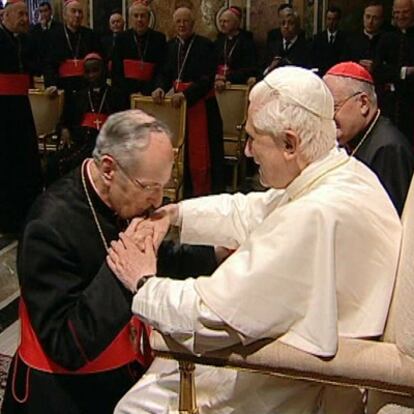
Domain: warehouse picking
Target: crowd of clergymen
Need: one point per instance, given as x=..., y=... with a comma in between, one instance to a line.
x=73, y=58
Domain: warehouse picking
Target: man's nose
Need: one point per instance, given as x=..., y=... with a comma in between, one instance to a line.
x=248, y=148
x=156, y=197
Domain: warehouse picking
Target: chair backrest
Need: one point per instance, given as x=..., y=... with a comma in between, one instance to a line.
x=400, y=322
x=46, y=110
x=175, y=119
x=233, y=102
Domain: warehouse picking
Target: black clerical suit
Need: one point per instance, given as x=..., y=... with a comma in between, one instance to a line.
x=360, y=46
x=238, y=53
x=64, y=49
x=75, y=304
x=395, y=50
x=20, y=172
x=149, y=47
x=108, y=44
x=386, y=151
x=42, y=38
x=193, y=63
x=327, y=52
x=293, y=53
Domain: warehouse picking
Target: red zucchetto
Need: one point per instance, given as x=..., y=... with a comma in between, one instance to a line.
x=351, y=70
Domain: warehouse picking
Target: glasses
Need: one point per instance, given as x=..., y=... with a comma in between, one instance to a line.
x=338, y=107
x=148, y=188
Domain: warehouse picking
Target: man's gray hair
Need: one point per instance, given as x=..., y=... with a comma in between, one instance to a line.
x=292, y=98
x=352, y=86
x=126, y=133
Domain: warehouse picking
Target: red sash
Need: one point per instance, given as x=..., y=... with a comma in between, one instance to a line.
x=94, y=120
x=139, y=70
x=198, y=144
x=223, y=70
x=14, y=83
x=110, y=66
x=125, y=348
x=71, y=67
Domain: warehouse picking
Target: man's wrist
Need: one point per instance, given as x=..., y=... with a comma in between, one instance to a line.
x=142, y=280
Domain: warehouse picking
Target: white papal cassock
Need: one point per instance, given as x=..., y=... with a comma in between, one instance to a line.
x=312, y=262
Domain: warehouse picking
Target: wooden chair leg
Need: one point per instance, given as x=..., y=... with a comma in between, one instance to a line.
x=187, y=402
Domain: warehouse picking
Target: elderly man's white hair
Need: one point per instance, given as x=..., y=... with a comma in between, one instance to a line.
x=126, y=133
x=293, y=98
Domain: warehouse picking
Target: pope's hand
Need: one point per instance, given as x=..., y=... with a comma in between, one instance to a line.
x=129, y=263
x=138, y=231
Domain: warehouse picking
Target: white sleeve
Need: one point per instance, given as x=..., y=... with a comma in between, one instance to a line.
x=225, y=220
x=174, y=308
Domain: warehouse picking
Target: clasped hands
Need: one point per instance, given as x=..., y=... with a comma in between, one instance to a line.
x=134, y=255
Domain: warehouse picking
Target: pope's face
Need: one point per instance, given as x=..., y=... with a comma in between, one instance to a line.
x=275, y=168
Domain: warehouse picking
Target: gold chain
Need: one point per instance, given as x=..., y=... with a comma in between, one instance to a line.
x=85, y=188
x=366, y=133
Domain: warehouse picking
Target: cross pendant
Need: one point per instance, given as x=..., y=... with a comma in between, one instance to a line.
x=98, y=123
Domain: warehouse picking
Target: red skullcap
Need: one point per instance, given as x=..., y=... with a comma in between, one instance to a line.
x=67, y=2
x=235, y=11
x=11, y=2
x=351, y=70
x=92, y=56
x=140, y=2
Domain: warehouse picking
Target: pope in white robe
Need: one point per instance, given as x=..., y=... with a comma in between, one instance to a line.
x=315, y=258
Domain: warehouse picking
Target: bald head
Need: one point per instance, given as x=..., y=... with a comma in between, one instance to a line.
x=184, y=22
x=403, y=13
x=16, y=18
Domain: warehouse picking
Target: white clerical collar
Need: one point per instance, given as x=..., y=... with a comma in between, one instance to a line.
x=290, y=42
x=316, y=171
x=369, y=35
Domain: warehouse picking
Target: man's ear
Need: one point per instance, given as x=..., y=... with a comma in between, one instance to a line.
x=365, y=104
x=107, y=167
x=291, y=144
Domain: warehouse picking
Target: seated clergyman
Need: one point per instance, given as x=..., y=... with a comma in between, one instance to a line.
x=315, y=258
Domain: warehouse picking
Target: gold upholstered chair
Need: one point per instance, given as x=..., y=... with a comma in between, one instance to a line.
x=175, y=119
x=233, y=103
x=47, y=111
x=384, y=368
